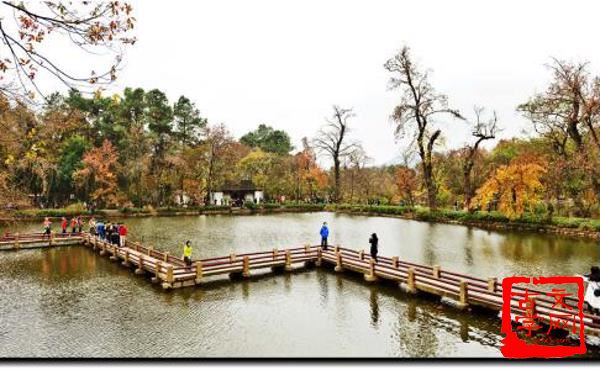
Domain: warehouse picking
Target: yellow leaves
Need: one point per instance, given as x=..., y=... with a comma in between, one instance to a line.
x=98, y=93
x=31, y=133
x=10, y=159
x=115, y=99
x=515, y=187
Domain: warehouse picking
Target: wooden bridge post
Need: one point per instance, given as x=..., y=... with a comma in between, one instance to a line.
x=395, y=262
x=157, y=268
x=308, y=263
x=361, y=254
x=288, y=260
x=463, y=296
x=102, y=248
x=275, y=253
x=370, y=275
x=436, y=271
x=140, y=269
x=492, y=284
x=198, y=272
x=126, y=260
x=338, y=266
x=411, y=286
x=319, y=256
x=246, y=267
x=52, y=238
x=169, y=283
x=337, y=248
x=114, y=252
x=17, y=245
x=232, y=258
x=166, y=257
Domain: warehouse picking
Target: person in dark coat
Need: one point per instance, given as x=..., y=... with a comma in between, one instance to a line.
x=109, y=231
x=374, y=241
x=116, y=238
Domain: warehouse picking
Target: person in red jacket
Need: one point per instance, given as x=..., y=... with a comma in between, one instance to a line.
x=123, y=234
x=73, y=225
x=64, y=224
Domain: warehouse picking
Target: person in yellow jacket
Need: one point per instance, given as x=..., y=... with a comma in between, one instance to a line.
x=187, y=253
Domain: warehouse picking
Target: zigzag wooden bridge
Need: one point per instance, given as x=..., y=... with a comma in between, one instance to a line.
x=461, y=291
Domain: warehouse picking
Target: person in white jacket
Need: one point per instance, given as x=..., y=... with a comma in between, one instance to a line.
x=592, y=293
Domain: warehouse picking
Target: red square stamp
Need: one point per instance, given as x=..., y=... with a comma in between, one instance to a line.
x=553, y=311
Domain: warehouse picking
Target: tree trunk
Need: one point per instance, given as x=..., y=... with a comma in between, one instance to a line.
x=336, y=171
x=351, y=186
x=430, y=185
x=209, y=178
x=468, y=186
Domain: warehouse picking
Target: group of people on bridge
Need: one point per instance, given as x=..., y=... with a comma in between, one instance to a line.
x=113, y=232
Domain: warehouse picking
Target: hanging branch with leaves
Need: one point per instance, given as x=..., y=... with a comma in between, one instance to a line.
x=94, y=27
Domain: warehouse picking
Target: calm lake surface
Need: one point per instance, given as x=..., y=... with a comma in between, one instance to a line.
x=68, y=302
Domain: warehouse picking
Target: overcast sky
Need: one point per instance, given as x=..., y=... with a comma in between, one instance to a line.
x=285, y=63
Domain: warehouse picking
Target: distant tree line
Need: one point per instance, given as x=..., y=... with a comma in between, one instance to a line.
x=138, y=149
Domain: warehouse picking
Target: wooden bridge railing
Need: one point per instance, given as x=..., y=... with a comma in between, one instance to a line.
x=462, y=288
x=7, y=237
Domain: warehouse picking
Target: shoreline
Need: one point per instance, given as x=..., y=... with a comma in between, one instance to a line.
x=573, y=233
x=372, y=211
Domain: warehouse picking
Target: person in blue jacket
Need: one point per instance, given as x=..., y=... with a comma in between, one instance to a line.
x=324, y=235
x=100, y=230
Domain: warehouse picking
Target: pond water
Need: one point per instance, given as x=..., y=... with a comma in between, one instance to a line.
x=68, y=302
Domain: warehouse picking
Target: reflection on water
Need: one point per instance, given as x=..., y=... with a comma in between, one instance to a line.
x=69, y=302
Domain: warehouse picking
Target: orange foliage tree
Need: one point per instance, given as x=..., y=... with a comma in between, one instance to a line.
x=516, y=186
x=308, y=174
x=99, y=174
x=407, y=183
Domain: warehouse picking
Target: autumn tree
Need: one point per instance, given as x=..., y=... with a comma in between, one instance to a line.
x=407, y=182
x=516, y=187
x=332, y=140
x=415, y=116
x=308, y=174
x=94, y=28
x=99, y=174
x=355, y=164
x=483, y=129
x=222, y=153
x=568, y=114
